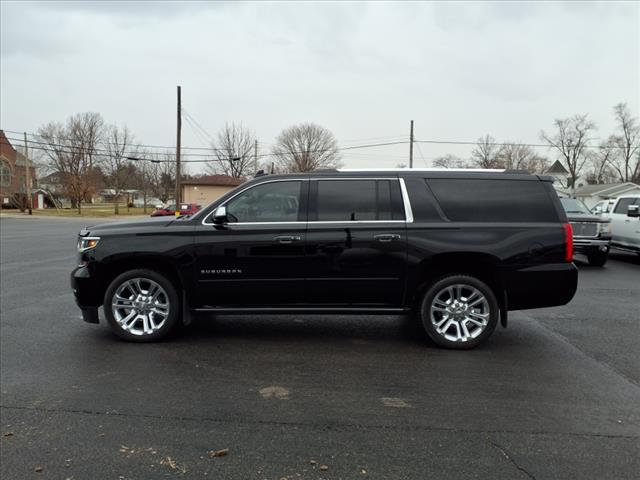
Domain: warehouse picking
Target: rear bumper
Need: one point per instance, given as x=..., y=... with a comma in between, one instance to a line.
x=541, y=286
x=87, y=293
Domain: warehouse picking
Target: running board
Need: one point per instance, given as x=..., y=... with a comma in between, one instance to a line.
x=319, y=310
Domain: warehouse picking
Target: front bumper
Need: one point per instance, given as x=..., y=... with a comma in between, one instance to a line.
x=86, y=292
x=591, y=245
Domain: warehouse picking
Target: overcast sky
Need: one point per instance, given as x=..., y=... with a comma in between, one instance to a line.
x=363, y=70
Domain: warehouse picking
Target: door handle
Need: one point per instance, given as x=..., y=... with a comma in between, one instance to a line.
x=287, y=239
x=386, y=237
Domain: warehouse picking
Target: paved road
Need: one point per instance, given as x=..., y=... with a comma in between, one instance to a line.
x=555, y=395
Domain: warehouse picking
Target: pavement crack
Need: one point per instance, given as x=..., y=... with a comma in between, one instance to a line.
x=509, y=457
x=323, y=425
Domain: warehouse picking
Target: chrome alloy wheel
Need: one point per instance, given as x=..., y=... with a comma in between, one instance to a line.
x=459, y=312
x=140, y=306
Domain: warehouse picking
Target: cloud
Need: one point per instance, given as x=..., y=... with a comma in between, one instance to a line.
x=364, y=70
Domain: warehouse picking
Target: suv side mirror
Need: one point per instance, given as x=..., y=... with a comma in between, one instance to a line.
x=220, y=215
x=633, y=211
x=597, y=210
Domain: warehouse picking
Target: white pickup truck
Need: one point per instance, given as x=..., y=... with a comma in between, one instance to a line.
x=625, y=223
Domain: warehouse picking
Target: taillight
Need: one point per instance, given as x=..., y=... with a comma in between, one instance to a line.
x=568, y=243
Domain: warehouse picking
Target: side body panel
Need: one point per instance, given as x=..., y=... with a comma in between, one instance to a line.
x=527, y=258
x=165, y=244
x=247, y=265
x=625, y=230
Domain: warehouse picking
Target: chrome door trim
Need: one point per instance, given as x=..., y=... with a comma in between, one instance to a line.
x=403, y=190
x=408, y=212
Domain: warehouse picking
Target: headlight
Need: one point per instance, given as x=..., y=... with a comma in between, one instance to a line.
x=87, y=243
x=604, y=228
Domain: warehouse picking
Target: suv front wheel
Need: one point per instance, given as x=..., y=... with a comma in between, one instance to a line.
x=597, y=259
x=141, y=305
x=459, y=311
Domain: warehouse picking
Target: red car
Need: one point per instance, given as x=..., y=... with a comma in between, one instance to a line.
x=170, y=209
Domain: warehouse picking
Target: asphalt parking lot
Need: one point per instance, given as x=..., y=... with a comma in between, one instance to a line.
x=555, y=395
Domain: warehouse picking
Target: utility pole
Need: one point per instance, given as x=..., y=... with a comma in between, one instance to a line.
x=411, y=147
x=28, y=174
x=255, y=158
x=178, y=193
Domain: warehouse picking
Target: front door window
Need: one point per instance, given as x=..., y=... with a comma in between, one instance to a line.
x=269, y=202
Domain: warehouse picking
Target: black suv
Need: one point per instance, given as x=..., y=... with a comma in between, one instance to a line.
x=458, y=248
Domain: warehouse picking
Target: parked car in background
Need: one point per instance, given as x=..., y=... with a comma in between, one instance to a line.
x=591, y=233
x=604, y=206
x=458, y=249
x=151, y=202
x=625, y=223
x=170, y=209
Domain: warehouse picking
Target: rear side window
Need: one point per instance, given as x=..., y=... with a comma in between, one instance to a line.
x=480, y=200
x=358, y=200
x=623, y=205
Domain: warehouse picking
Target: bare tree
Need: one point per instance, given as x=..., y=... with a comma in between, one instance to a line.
x=485, y=154
x=161, y=175
x=120, y=173
x=570, y=139
x=72, y=151
x=449, y=161
x=517, y=156
x=627, y=141
x=233, y=151
x=306, y=147
x=601, y=161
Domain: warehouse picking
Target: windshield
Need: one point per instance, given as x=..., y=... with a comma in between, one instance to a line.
x=571, y=205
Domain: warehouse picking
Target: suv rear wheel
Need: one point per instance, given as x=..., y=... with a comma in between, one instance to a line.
x=459, y=311
x=141, y=305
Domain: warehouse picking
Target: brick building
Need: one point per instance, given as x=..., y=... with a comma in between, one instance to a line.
x=13, y=176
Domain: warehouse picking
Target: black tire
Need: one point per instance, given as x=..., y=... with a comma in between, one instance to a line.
x=169, y=296
x=490, y=308
x=597, y=259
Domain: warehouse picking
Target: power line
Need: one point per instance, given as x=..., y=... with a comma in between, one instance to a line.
x=437, y=142
x=166, y=147
x=421, y=155
x=198, y=125
x=43, y=146
x=195, y=130
x=502, y=144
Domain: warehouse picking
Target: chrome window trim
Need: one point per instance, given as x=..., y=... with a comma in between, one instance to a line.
x=408, y=212
x=435, y=169
x=403, y=190
x=317, y=222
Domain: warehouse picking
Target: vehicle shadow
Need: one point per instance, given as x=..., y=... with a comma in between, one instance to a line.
x=616, y=255
x=626, y=257
x=315, y=329
x=300, y=326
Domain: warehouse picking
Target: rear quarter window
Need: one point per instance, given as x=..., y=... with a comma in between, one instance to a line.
x=488, y=200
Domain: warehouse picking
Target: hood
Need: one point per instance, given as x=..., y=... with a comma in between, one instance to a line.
x=140, y=224
x=586, y=217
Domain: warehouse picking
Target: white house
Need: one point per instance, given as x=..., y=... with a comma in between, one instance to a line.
x=592, y=194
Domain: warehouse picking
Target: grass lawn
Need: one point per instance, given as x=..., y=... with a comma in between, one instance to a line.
x=90, y=210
